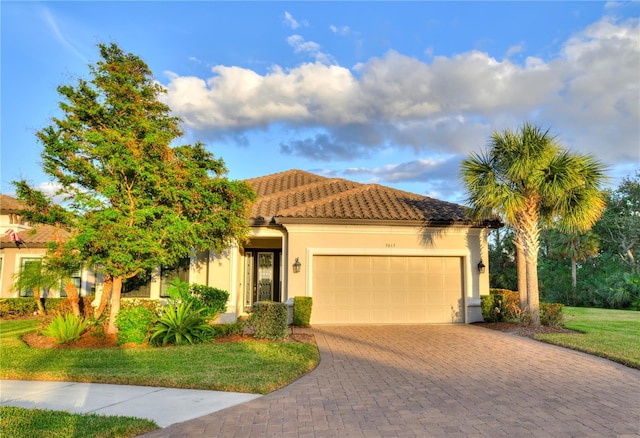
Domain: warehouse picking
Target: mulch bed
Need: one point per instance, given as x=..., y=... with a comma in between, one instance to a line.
x=101, y=340
x=527, y=331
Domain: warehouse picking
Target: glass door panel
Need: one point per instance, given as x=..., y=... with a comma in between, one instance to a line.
x=248, y=281
x=265, y=278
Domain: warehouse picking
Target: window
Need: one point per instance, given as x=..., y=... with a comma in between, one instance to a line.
x=26, y=263
x=167, y=275
x=137, y=287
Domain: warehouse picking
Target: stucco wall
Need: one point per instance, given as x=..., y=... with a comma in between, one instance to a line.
x=226, y=271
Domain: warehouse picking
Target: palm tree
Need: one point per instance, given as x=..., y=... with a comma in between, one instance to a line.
x=526, y=177
x=36, y=277
x=575, y=246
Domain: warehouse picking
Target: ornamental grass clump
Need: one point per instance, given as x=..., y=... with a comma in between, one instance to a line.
x=181, y=324
x=66, y=329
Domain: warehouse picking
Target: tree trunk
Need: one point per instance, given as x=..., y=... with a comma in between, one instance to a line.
x=574, y=273
x=115, y=304
x=532, y=287
x=521, y=266
x=530, y=234
x=36, y=296
x=73, y=297
x=104, y=297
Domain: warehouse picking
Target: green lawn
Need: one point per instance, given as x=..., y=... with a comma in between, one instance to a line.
x=33, y=423
x=250, y=367
x=613, y=334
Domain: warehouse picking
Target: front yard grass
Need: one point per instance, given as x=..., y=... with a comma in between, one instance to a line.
x=251, y=367
x=612, y=334
x=21, y=422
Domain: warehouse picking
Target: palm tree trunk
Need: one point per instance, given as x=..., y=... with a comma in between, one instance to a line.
x=37, y=297
x=574, y=273
x=532, y=288
x=528, y=236
x=115, y=304
x=521, y=266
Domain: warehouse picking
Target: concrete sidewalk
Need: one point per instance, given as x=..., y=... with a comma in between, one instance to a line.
x=165, y=406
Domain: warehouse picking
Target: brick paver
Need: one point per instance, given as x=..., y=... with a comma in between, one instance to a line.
x=437, y=380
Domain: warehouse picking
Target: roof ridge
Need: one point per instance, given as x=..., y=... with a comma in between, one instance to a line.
x=285, y=172
x=309, y=186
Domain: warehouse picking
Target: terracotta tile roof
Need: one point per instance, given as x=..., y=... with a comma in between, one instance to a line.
x=37, y=237
x=9, y=204
x=302, y=195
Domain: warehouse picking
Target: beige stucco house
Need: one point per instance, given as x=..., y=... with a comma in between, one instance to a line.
x=365, y=253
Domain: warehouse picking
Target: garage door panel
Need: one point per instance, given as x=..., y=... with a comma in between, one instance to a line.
x=386, y=289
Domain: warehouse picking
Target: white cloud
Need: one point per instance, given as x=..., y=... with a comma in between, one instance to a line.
x=514, y=49
x=588, y=95
x=292, y=22
x=309, y=47
x=340, y=30
x=52, y=23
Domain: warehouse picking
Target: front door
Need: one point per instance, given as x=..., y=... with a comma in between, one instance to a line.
x=262, y=276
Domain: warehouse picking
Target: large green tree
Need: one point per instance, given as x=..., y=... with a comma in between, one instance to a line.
x=619, y=227
x=139, y=202
x=530, y=180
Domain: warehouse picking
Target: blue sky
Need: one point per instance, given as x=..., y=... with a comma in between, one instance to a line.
x=395, y=93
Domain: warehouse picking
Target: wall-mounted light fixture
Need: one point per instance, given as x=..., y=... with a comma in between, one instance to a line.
x=481, y=267
x=296, y=266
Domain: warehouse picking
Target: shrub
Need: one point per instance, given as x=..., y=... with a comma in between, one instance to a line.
x=213, y=300
x=65, y=329
x=134, y=324
x=491, y=306
x=17, y=307
x=232, y=329
x=153, y=306
x=181, y=324
x=302, y=311
x=551, y=314
x=269, y=320
x=510, y=307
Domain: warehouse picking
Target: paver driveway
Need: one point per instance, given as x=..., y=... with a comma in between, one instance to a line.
x=437, y=380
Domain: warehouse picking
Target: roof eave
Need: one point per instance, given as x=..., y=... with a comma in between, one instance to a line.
x=378, y=222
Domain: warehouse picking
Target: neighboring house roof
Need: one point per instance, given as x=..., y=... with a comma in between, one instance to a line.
x=297, y=196
x=37, y=237
x=9, y=204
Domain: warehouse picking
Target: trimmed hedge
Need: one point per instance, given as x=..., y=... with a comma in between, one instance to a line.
x=26, y=306
x=302, y=311
x=269, y=320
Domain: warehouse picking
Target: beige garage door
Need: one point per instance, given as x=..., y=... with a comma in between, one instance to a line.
x=387, y=290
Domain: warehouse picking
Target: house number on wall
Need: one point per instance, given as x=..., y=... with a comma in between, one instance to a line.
x=390, y=245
